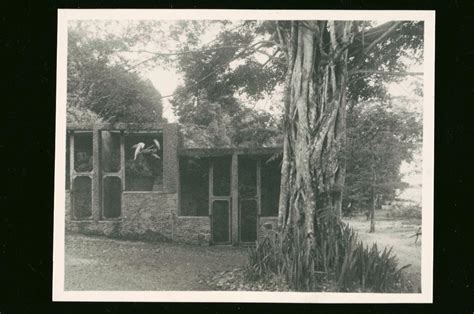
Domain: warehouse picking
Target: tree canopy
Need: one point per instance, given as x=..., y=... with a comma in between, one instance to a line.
x=246, y=58
x=98, y=87
x=379, y=138
x=211, y=95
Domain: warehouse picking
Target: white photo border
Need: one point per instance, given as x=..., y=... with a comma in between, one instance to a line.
x=426, y=296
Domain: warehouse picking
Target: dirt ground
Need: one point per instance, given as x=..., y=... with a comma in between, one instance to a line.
x=397, y=234
x=97, y=263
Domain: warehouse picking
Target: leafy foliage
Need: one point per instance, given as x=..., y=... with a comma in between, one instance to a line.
x=209, y=123
x=380, y=137
x=229, y=64
x=139, y=167
x=405, y=211
x=391, y=55
x=76, y=114
x=216, y=75
x=101, y=85
x=337, y=263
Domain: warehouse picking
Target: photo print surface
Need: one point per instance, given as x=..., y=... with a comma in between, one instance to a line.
x=244, y=156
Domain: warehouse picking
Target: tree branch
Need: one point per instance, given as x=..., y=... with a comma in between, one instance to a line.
x=383, y=36
x=271, y=57
x=372, y=34
x=177, y=53
x=390, y=73
x=280, y=36
x=372, y=38
x=217, y=68
x=167, y=54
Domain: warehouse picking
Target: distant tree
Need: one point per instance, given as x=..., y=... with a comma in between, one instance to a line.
x=101, y=84
x=379, y=138
x=212, y=86
x=76, y=114
x=222, y=126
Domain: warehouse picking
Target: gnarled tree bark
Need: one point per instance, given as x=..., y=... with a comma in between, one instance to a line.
x=313, y=167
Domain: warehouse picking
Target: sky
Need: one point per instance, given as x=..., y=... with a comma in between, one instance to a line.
x=165, y=81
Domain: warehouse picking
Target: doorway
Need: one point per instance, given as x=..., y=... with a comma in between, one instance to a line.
x=220, y=204
x=249, y=198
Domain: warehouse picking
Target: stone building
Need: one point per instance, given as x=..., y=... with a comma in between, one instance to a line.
x=164, y=191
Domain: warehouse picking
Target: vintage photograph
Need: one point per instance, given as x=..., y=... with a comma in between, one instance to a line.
x=202, y=152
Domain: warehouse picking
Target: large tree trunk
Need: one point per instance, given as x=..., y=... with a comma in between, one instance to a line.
x=313, y=168
x=372, y=215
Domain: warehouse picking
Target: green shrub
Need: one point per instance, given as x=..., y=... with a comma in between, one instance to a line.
x=408, y=211
x=372, y=270
x=338, y=261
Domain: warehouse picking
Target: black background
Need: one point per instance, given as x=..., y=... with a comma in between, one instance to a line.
x=28, y=54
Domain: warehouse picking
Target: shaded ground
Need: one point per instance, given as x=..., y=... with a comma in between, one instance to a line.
x=97, y=263
x=397, y=234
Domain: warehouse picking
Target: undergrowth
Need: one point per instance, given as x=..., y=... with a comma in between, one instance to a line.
x=404, y=212
x=338, y=261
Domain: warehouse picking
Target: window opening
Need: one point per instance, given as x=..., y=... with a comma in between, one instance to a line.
x=221, y=176
x=144, y=162
x=83, y=152
x=270, y=187
x=112, y=196
x=194, y=184
x=110, y=151
x=82, y=200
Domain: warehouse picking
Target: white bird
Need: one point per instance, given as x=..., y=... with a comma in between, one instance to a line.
x=138, y=148
x=157, y=144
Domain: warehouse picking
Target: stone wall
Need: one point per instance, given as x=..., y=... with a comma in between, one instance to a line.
x=151, y=216
x=67, y=206
x=148, y=215
x=193, y=230
x=109, y=228
x=145, y=216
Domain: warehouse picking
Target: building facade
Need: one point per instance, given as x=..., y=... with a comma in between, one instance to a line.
x=138, y=181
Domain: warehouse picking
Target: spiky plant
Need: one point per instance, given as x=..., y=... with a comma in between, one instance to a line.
x=337, y=256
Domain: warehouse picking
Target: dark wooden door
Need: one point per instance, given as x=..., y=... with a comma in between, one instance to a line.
x=249, y=198
x=221, y=221
x=220, y=204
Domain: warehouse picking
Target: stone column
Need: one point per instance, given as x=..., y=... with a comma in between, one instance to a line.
x=96, y=200
x=171, y=171
x=234, y=206
x=170, y=158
